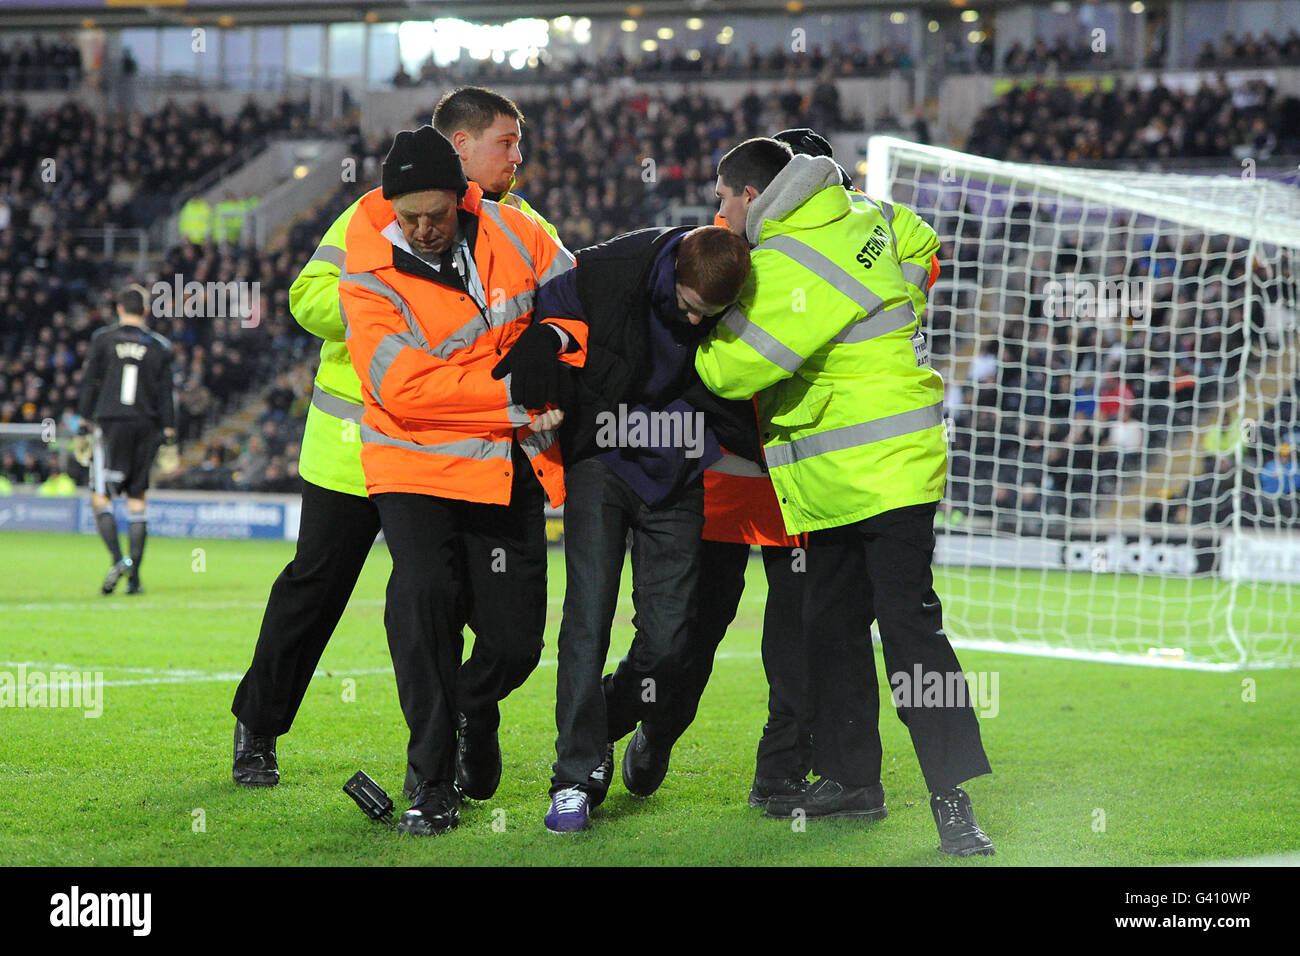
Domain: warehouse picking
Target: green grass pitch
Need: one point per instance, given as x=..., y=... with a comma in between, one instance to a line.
x=1094, y=764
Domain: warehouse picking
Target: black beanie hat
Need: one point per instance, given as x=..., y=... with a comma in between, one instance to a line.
x=422, y=159
x=809, y=142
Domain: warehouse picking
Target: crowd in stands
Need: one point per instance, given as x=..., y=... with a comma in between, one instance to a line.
x=265, y=458
x=40, y=64
x=1267, y=492
x=723, y=61
x=1061, y=56
x=70, y=167
x=1057, y=124
x=236, y=363
x=1056, y=418
x=56, y=288
x=598, y=171
x=584, y=170
x=1060, y=412
x=1249, y=52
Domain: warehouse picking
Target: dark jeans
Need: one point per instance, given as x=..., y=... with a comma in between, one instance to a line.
x=504, y=554
x=879, y=569
x=785, y=749
x=600, y=509
x=335, y=534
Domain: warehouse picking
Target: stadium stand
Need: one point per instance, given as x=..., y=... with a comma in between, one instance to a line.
x=571, y=148
x=1250, y=52
x=586, y=167
x=40, y=64
x=1057, y=124
x=721, y=63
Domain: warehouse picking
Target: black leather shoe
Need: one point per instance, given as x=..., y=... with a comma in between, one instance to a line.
x=254, y=764
x=644, y=765
x=765, y=788
x=829, y=798
x=600, y=779
x=133, y=585
x=478, y=761
x=436, y=810
x=958, y=832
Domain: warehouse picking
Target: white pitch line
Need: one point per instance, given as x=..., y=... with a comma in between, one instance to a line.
x=164, y=676
x=123, y=604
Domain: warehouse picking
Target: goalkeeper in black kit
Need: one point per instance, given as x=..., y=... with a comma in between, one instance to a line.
x=127, y=404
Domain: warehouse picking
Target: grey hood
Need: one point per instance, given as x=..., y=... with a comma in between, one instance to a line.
x=802, y=178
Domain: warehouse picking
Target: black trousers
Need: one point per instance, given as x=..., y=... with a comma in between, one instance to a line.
x=335, y=534
x=879, y=569
x=785, y=749
x=504, y=569
x=599, y=511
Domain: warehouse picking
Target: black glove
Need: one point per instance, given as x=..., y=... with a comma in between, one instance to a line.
x=534, y=367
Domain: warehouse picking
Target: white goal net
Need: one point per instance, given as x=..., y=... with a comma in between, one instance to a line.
x=1120, y=356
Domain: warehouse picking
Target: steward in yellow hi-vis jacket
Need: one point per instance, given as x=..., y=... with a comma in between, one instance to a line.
x=828, y=335
x=741, y=509
x=338, y=521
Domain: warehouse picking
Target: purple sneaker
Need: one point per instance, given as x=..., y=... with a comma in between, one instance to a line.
x=569, y=811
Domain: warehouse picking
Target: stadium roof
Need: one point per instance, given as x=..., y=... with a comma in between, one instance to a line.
x=67, y=14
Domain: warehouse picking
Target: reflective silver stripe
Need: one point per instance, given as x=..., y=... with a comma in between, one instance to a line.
x=761, y=342
x=891, y=320
x=517, y=414
x=481, y=449
x=372, y=282
x=736, y=465
x=887, y=211
x=343, y=314
x=860, y=197
x=385, y=354
x=338, y=407
x=331, y=254
x=828, y=270
x=917, y=275
x=497, y=315
x=494, y=211
x=538, y=442
x=562, y=263
x=851, y=436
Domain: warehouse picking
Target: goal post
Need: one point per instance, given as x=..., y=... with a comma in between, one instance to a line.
x=1119, y=351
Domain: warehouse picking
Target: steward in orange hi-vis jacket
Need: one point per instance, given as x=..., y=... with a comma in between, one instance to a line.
x=437, y=285
x=436, y=421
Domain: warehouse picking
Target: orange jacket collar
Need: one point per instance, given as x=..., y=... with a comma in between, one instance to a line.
x=373, y=251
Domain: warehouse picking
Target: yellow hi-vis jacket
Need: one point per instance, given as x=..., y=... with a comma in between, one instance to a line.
x=828, y=334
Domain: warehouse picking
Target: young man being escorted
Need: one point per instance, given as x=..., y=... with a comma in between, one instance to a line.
x=638, y=434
